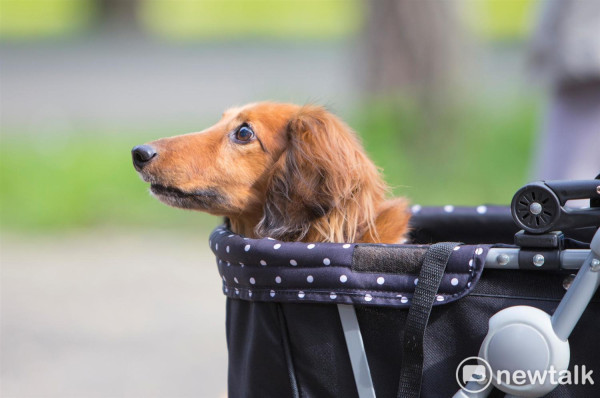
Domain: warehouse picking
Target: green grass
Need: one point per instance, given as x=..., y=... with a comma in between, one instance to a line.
x=500, y=20
x=191, y=19
x=26, y=19
x=79, y=181
x=496, y=20
x=264, y=19
x=471, y=155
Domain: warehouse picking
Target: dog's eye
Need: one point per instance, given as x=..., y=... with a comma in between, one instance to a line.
x=244, y=134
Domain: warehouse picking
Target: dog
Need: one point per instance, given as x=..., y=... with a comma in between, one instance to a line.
x=284, y=171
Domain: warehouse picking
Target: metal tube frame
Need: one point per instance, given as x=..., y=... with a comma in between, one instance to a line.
x=564, y=319
x=573, y=304
x=508, y=258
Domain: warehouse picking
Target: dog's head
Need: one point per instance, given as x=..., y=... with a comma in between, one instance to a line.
x=286, y=171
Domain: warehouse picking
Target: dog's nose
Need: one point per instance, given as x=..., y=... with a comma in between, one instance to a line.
x=142, y=155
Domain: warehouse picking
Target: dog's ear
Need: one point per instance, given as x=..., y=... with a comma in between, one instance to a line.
x=322, y=166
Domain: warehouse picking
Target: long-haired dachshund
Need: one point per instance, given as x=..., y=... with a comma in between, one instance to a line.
x=293, y=173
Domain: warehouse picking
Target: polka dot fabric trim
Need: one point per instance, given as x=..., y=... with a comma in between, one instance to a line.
x=270, y=270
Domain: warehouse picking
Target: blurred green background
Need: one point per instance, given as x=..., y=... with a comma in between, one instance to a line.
x=481, y=155
x=105, y=292
x=473, y=146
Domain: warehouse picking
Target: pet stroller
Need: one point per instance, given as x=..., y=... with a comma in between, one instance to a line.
x=473, y=319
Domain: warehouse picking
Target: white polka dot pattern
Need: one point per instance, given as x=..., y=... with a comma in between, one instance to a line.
x=323, y=272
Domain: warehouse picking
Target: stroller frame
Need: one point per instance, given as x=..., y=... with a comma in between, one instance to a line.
x=539, y=246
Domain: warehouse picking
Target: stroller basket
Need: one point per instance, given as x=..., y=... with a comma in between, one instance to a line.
x=348, y=320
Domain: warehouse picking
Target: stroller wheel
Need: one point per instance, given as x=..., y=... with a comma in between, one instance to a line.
x=535, y=208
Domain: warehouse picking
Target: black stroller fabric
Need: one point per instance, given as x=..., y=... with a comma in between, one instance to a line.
x=291, y=344
x=273, y=271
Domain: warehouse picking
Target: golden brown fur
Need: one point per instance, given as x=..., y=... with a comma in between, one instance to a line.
x=305, y=177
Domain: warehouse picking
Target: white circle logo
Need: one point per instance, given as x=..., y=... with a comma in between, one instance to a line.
x=474, y=374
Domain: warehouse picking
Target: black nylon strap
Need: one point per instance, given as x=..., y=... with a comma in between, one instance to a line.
x=430, y=277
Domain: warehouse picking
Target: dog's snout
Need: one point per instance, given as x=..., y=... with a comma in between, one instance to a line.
x=142, y=155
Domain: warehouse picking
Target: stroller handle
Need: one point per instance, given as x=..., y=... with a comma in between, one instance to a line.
x=539, y=207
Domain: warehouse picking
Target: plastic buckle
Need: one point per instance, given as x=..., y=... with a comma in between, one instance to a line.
x=540, y=251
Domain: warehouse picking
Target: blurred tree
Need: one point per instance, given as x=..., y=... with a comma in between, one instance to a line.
x=118, y=14
x=410, y=45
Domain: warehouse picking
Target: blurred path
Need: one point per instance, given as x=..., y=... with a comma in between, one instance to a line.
x=107, y=314
x=111, y=81
x=116, y=83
